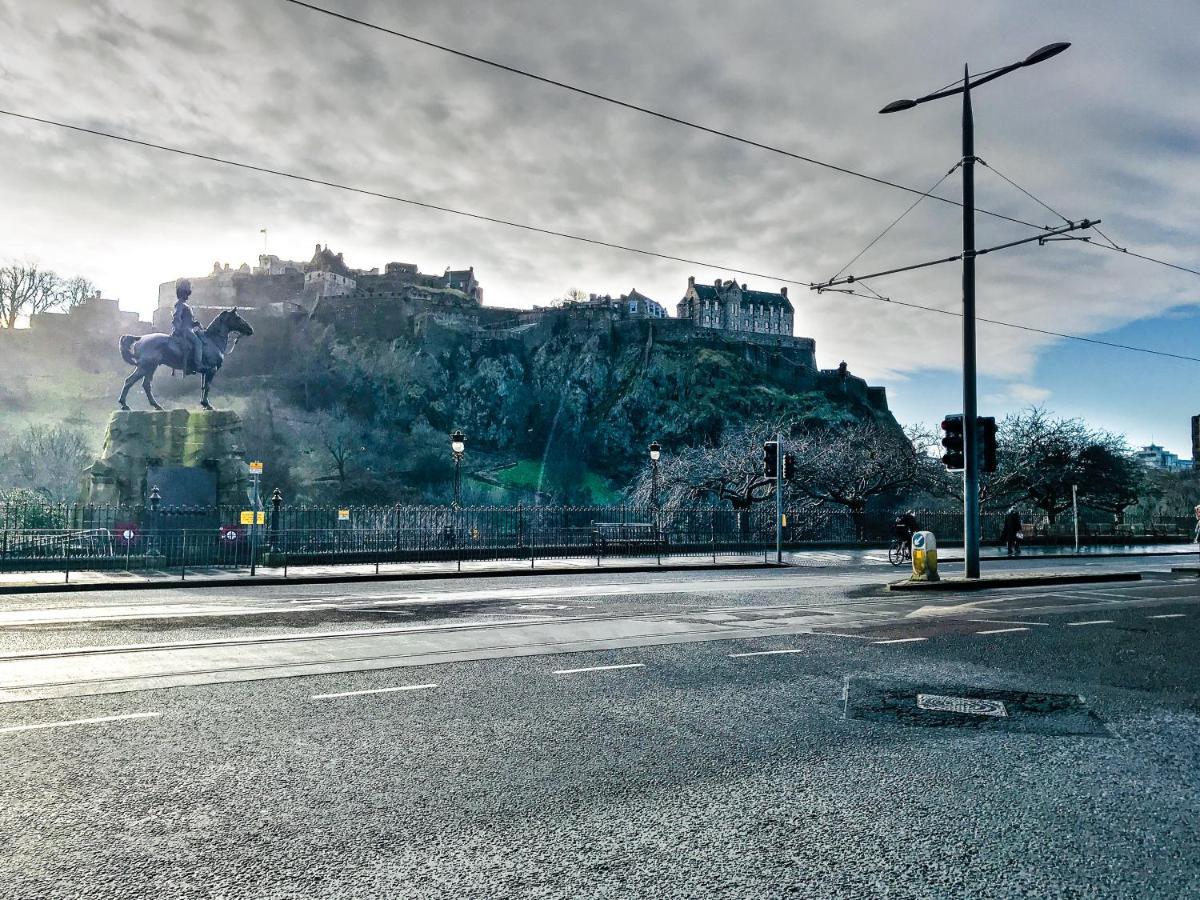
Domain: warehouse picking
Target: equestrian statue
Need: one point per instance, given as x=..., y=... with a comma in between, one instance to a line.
x=188, y=348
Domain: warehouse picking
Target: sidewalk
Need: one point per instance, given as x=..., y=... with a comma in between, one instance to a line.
x=202, y=576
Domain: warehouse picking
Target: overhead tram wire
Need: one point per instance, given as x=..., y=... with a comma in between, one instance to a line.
x=625, y=104
x=896, y=221
x=667, y=117
x=1110, y=245
x=306, y=179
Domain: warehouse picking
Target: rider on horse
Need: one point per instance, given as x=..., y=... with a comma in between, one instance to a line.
x=186, y=329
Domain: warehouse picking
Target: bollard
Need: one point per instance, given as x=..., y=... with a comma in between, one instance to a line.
x=924, y=557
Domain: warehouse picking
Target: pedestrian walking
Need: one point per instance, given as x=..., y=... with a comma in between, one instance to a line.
x=1013, y=532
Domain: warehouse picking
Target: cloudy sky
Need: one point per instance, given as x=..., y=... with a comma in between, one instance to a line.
x=1108, y=130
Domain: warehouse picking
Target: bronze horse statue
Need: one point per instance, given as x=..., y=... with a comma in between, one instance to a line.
x=150, y=351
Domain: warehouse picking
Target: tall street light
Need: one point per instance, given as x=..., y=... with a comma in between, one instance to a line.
x=970, y=406
x=655, y=453
x=458, y=446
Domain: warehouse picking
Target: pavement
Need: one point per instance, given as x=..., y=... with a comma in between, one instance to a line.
x=206, y=576
x=758, y=733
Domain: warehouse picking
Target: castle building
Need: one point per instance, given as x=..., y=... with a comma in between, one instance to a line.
x=728, y=306
x=464, y=280
x=327, y=275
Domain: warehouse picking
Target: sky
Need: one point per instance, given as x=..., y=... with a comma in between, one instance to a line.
x=1110, y=130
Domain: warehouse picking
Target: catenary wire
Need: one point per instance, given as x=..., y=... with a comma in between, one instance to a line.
x=695, y=125
x=625, y=104
x=1035, y=199
x=95, y=132
x=895, y=222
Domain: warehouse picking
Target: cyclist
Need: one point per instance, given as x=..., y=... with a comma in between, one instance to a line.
x=906, y=527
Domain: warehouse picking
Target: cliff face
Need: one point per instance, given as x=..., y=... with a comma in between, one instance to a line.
x=562, y=391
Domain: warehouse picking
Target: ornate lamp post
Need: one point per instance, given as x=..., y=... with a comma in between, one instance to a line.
x=655, y=453
x=458, y=446
x=155, y=500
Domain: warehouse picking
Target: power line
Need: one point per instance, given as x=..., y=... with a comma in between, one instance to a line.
x=667, y=117
x=625, y=104
x=553, y=233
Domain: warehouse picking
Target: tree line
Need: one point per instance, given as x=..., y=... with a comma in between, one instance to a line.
x=27, y=289
x=1040, y=458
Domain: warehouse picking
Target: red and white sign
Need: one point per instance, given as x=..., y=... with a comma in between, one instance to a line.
x=126, y=531
x=231, y=533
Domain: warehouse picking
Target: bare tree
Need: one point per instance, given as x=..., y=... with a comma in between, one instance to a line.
x=26, y=290
x=48, y=460
x=849, y=464
x=73, y=291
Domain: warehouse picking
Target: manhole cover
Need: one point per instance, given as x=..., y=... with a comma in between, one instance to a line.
x=970, y=705
x=901, y=700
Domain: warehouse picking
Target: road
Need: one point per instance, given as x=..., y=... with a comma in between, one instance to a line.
x=775, y=733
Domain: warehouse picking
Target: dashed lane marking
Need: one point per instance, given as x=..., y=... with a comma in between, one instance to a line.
x=387, y=690
x=1169, y=616
x=599, y=669
x=64, y=724
x=1092, y=622
x=1007, y=622
x=901, y=640
x=1001, y=630
x=764, y=653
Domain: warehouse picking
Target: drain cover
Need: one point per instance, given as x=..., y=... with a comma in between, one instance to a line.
x=900, y=700
x=969, y=705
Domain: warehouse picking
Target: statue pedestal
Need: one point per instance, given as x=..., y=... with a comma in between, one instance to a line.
x=194, y=458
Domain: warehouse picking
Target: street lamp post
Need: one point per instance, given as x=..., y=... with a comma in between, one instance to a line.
x=458, y=445
x=155, y=500
x=655, y=453
x=971, y=531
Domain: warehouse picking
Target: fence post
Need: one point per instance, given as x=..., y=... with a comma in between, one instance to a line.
x=183, y=558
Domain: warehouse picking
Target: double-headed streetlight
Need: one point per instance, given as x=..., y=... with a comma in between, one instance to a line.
x=970, y=407
x=655, y=453
x=458, y=446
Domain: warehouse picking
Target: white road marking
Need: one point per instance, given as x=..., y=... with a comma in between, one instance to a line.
x=1000, y=630
x=599, y=669
x=64, y=724
x=387, y=690
x=1007, y=622
x=764, y=653
x=1169, y=616
x=1092, y=622
x=900, y=640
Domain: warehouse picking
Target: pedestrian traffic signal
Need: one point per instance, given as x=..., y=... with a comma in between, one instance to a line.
x=952, y=439
x=771, y=459
x=789, y=467
x=987, y=443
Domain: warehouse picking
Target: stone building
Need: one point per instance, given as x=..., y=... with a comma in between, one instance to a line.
x=732, y=307
x=327, y=274
x=464, y=280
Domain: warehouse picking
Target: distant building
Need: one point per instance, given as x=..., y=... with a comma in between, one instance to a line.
x=464, y=280
x=1153, y=456
x=728, y=306
x=327, y=275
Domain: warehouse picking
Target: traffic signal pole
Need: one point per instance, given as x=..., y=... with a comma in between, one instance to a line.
x=779, y=499
x=970, y=408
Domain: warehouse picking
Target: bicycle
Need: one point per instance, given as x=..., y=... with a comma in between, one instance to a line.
x=900, y=552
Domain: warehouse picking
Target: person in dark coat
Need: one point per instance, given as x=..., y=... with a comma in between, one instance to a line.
x=1012, y=532
x=186, y=329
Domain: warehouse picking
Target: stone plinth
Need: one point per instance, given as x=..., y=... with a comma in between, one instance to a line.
x=166, y=440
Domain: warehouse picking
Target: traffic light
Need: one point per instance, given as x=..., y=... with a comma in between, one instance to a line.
x=771, y=459
x=987, y=443
x=789, y=467
x=952, y=440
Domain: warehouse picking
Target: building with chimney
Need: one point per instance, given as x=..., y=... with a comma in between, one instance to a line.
x=728, y=306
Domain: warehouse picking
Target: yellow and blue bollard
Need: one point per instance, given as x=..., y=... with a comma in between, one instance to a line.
x=924, y=557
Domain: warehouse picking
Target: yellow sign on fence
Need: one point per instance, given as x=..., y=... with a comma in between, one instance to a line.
x=247, y=517
x=343, y=515
x=256, y=468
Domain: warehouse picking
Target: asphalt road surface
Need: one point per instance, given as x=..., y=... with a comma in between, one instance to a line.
x=702, y=734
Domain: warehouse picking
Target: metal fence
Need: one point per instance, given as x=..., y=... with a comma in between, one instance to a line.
x=37, y=537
